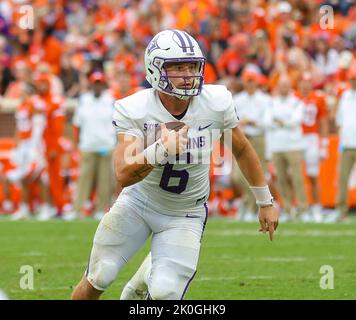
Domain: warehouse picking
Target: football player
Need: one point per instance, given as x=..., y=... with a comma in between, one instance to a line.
x=315, y=136
x=28, y=157
x=166, y=185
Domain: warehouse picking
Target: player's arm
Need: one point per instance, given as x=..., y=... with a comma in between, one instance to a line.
x=251, y=168
x=247, y=159
x=130, y=165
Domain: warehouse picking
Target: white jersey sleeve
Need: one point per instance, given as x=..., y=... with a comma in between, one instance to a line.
x=230, y=116
x=123, y=123
x=218, y=100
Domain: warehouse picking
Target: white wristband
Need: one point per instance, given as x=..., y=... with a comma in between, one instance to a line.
x=156, y=153
x=263, y=196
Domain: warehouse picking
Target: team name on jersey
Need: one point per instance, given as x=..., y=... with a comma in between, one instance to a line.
x=149, y=126
x=196, y=142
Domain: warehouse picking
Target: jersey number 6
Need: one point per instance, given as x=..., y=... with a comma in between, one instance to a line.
x=169, y=173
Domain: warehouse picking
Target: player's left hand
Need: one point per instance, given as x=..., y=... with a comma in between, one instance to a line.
x=268, y=217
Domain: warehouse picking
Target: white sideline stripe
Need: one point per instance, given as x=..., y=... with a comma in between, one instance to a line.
x=286, y=233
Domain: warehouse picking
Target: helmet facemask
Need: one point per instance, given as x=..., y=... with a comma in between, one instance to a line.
x=166, y=85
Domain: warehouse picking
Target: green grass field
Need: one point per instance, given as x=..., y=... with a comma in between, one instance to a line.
x=236, y=261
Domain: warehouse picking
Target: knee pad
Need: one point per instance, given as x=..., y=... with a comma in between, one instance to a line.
x=164, y=288
x=170, y=284
x=101, y=274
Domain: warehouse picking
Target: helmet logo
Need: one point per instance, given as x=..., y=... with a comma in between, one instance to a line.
x=153, y=45
x=185, y=46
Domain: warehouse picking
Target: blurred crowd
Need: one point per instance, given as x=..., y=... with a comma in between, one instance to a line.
x=90, y=52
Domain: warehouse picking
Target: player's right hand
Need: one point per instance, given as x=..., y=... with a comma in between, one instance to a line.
x=268, y=217
x=174, y=141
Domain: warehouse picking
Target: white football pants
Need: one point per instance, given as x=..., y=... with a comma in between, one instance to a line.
x=175, y=245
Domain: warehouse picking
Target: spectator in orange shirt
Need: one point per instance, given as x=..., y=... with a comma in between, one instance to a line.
x=44, y=70
x=250, y=19
x=124, y=59
x=125, y=85
x=142, y=28
x=210, y=75
x=52, y=50
x=54, y=17
x=25, y=51
x=283, y=20
x=233, y=59
x=334, y=88
x=290, y=59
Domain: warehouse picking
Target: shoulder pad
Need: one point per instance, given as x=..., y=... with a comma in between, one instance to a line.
x=134, y=106
x=217, y=97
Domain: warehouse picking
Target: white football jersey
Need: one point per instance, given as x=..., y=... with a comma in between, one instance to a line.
x=180, y=186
